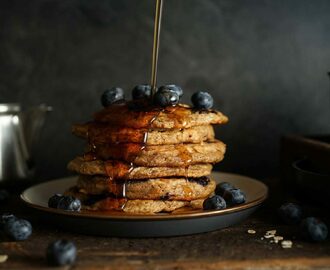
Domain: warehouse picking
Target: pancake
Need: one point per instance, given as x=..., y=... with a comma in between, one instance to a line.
x=173, y=155
x=132, y=206
x=103, y=133
x=152, y=189
x=181, y=116
x=145, y=159
x=119, y=170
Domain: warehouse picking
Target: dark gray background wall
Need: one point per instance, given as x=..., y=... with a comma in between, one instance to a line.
x=265, y=62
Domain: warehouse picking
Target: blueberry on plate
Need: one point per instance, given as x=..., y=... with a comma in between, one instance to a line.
x=172, y=87
x=166, y=98
x=141, y=91
x=314, y=229
x=4, y=195
x=234, y=196
x=54, y=201
x=6, y=218
x=215, y=202
x=290, y=213
x=222, y=187
x=111, y=96
x=202, y=100
x=61, y=252
x=69, y=203
x=18, y=230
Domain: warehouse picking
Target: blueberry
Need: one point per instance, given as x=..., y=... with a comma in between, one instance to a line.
x=141, y=91
x=172, y=87
x=202, y=100
x=6, y=218
x=69, y=203
x=166, y=98
x=234, y=196
x=54, y=200
x=314, y=229
x=61, y=252
x=222, y=187
x=4, y=195
x=215, y=202
x=19, y=229
x=290, y=213
x=111, y=96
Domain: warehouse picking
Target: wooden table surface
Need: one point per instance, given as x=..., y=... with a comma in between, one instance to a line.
x=231, y=248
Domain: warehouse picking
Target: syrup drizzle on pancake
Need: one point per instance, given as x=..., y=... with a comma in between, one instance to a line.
x=144, y=115
x=127, y=151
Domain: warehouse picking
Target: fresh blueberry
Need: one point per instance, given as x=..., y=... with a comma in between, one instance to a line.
x=166, y=98
x=19, y=229
x=290, y=213
x=4, y=195
x=6, y=218
x=61, y=252
x=222, y=187
x=202, y=100
x=111, y=96
x=234, y=196
x=141, y=91
x=215, y=202
x=314, y=229
x=69, y=203
x=172, y=87
x=54, y=201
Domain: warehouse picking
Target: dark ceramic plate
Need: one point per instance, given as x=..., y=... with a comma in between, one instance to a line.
x=120, y=224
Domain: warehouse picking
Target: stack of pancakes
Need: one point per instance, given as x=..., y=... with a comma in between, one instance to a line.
x=147, y=160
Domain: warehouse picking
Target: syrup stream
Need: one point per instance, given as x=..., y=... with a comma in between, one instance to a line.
x=158, y=20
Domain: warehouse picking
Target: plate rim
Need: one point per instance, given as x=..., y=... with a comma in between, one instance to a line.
x=150, y=217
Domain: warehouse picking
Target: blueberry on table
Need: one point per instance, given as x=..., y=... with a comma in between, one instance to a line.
x=54, y=200
x=141, y=91
x=61, y=252
x=172, y=87
x=4, y=195
x=166, y=98
x=314, y=229
x=69, y=203
x=222, y=187
x=6, y=218
x=19, y=229
x=215, y=202
x=290, y=213
x=202, y=100
x=111, y=96
x=234, y=196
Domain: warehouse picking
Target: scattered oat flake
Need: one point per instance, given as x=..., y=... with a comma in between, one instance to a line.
x=278, y=238
x=261, y=238
x=271, y=232
x=286, y=244
x=268, y=236
x=3, y=258
x=251, y=231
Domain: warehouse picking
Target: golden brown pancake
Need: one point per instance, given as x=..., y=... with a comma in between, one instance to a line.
x=103, y=133
x=120, y=170
x=151, y=189
x=132, y=206
x=173, y=155
x=181, y=116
